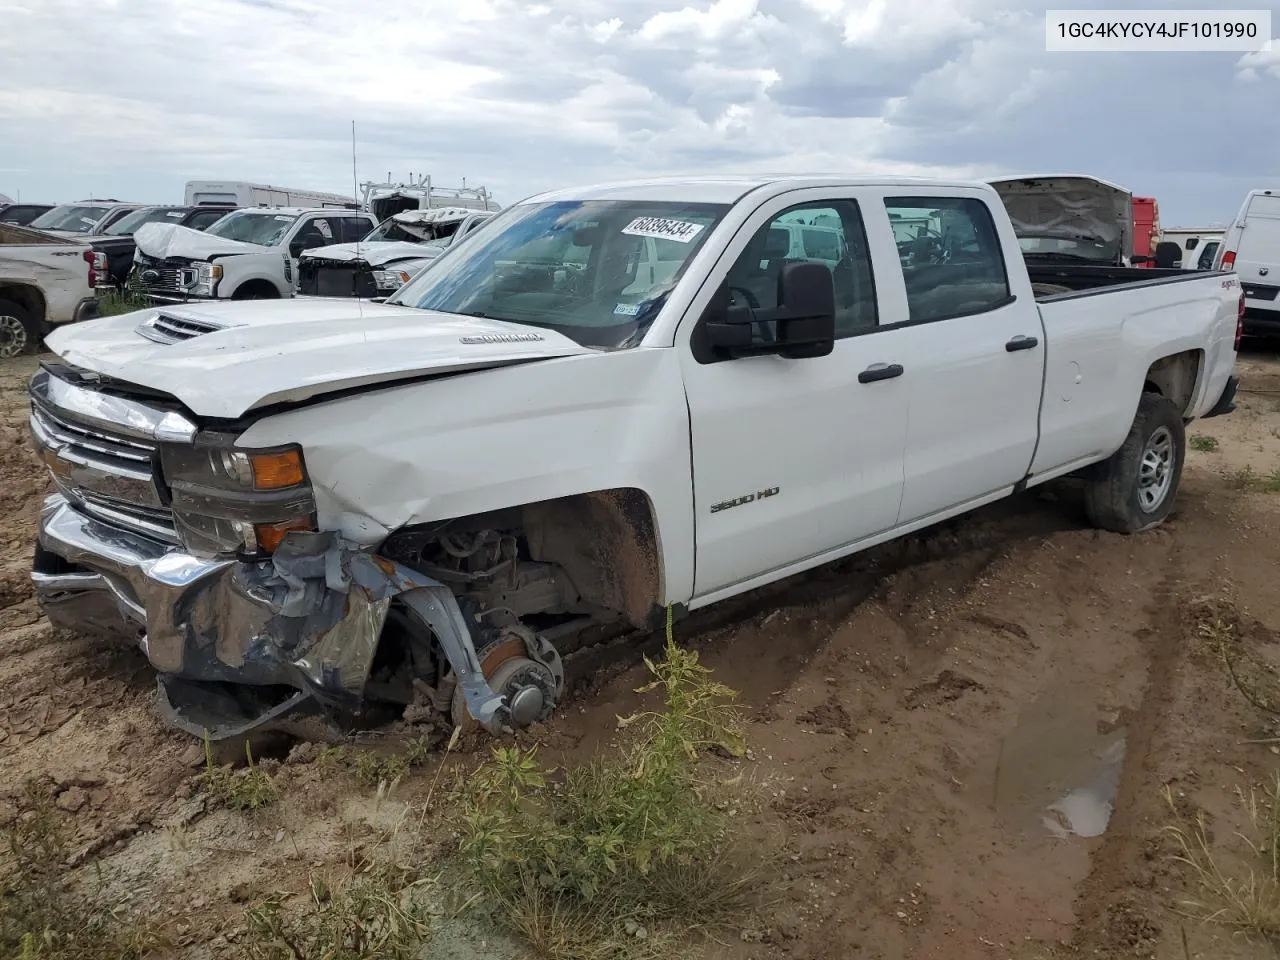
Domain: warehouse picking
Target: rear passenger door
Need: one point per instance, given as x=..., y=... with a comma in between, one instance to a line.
x=974, y=355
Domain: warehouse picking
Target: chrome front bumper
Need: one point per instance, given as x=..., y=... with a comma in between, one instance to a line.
x=240, y=645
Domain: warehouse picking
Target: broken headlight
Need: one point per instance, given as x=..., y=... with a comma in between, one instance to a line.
x=227, y=500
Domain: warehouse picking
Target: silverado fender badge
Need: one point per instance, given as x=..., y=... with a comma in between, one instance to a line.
x=502, y=338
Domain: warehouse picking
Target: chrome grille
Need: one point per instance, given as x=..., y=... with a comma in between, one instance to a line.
x=158, y=276
x=167, y=328
x=108, y=470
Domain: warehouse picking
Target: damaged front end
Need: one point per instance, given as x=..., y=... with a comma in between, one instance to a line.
x=208, y=557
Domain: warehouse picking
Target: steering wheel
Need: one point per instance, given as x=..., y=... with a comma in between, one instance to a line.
x=748, y=296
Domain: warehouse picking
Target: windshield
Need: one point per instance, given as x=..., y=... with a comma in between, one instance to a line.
x=392, y=229
x=1074, y=247
x=128, y=224
x=71, y=218
x=264, y=229
x=596, y=271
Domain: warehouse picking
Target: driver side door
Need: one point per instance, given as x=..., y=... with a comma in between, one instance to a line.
x=794, y=459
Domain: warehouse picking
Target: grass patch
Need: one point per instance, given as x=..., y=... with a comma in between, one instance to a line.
x=1251, y=481
x=1204, y=443
x=42, y=915
x=1249, y=901
x=249, y=788
x=1256, y=679
x=625, y=855
x=122, y=301
x=375, y=913
x=372, y=768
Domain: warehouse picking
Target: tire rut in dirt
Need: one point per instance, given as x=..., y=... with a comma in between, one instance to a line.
x=1113, y=919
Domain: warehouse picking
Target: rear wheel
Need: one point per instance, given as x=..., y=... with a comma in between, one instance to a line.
x=19, y=331
x=1136, y=487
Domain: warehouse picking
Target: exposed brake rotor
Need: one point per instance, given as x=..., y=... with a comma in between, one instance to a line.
x=525, y=670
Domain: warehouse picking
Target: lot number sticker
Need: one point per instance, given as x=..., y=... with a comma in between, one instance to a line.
x=680, y=231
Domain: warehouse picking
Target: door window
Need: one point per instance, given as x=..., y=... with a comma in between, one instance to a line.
x=355, y=228
x=1206, y=256
x=315, y=232
x=205, y=218
x=830, y=233
x=951, y=256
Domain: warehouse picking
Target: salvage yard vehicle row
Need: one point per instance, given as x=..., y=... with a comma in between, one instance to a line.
x=606, y=403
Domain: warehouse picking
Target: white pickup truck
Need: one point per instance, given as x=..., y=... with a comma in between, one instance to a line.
x=45, y=280
x=337, y=506
x=249, y=254
x=382, y=262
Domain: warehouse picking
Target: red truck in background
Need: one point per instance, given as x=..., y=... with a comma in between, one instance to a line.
x=1146, y=230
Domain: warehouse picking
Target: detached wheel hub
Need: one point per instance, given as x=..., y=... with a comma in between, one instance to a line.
x=530, y=688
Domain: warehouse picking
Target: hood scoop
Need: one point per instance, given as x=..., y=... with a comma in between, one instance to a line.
x=167, y=328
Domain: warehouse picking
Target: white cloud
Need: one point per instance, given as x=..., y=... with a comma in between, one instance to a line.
x=134, y=98
x=1258, y=63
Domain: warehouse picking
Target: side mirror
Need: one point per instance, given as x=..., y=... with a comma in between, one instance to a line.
x=806, y=314
x=804, y=322
x=728, y=324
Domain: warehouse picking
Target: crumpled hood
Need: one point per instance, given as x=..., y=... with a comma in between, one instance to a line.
x=261, y=352
x=375, y=254
x=1070, y=207
x=164, y=240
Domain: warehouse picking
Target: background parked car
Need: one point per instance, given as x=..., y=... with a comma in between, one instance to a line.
x=117, y=240
x=84, y=218
x=21, y=214
x=44, y=281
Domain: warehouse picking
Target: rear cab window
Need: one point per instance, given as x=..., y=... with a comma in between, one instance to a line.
x=951, y=256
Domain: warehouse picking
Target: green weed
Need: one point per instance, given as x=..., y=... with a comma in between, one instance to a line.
x=42, y=916
x=1249, y=480
x=248, y=789
x=376, y=913
x=618, y=857
x=1203, y=443
x=122, y=301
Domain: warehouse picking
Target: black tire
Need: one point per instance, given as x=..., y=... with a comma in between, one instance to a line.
x=19, y=331
x=255, y=290
x=1135, y=488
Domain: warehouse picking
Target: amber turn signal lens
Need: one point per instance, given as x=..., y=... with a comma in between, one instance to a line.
x=275, y=471
x=269, y=535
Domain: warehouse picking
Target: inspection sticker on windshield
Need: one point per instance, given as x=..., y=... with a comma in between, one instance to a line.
x=627, y=309
x=681, y=231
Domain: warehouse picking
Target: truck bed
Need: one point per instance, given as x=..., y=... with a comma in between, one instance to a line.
x=1083, y=279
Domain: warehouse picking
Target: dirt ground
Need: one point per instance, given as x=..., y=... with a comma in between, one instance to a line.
x=962, y=742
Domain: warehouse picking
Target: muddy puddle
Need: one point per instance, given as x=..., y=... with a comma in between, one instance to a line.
x=1058, y=771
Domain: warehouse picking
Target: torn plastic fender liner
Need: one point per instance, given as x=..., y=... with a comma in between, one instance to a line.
x=313, y=568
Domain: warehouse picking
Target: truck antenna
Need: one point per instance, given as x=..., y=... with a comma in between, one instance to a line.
x=355, y=196
x=355, y=186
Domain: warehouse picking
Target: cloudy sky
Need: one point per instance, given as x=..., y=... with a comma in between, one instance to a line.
x=131, y=98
